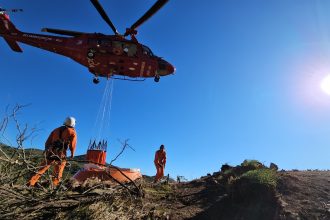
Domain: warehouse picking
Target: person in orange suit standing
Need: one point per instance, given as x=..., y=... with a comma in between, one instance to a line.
x=59, y=141
x=160, y=161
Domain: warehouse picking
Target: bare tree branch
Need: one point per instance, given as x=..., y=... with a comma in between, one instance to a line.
x=124, y=146
x=19, y=202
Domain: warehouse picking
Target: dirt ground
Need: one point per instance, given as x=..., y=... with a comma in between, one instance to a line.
x=297, y=195
x=305, y=194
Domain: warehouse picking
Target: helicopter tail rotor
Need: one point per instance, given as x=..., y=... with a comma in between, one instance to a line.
x=3, y=10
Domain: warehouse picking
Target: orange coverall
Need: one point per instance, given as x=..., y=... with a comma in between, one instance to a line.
x=160, y=161
x=54, y=156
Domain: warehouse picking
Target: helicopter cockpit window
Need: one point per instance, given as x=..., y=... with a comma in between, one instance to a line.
x=147, y=51
x=130, y=49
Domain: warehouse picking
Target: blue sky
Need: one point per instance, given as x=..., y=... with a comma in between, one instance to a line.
x=247, y=84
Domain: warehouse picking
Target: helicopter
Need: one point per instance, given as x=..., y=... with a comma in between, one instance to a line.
x=109, y=56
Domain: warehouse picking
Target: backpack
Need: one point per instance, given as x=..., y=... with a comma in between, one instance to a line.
x=60, y=144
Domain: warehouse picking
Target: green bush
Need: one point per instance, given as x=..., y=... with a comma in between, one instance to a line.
x=262, y=176
x=252, y=163
x=229, y=171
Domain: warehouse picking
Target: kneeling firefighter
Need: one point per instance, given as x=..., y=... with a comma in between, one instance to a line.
x=59, y=141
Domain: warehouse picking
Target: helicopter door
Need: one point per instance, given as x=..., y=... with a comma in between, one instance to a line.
x=124, y=48
x=117, y=48
x=102, y=46
x=92, y=42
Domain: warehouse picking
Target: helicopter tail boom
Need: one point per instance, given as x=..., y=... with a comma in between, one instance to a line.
x=8, y=28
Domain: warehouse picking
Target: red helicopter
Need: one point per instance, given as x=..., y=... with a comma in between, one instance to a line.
x=110, y=56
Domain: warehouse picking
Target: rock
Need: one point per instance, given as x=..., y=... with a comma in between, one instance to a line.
x=225, y=167
x=273, y=166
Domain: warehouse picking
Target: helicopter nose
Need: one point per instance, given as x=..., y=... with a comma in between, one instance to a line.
x=170, y=68
x=165, y=68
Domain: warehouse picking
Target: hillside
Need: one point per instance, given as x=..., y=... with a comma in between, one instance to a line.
x=297, y=195
x=36, y=155
x=247, y=191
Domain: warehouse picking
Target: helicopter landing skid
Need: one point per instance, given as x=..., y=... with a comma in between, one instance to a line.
x=157, y=78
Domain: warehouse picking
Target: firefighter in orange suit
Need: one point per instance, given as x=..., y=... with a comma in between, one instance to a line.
x=61, y=139
x=160, y=161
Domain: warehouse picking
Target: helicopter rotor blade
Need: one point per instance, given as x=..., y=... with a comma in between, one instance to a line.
x=62, y=32
x=104, y=15
x=158, y=5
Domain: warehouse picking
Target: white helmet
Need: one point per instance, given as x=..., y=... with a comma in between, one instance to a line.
x=70, y=121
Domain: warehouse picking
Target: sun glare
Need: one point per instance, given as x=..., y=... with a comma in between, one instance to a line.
x=325, y=85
